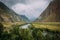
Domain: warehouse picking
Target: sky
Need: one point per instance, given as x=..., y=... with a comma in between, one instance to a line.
x=30, y=8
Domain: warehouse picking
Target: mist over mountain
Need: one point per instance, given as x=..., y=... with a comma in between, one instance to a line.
x=8, y=15
x=30, y=8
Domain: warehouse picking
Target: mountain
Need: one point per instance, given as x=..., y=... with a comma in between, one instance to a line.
x=52, y=13
x=8, y=15
x=24, y=18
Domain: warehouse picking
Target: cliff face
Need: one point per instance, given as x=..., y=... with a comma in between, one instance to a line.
x=52, y=13
x=8, y=15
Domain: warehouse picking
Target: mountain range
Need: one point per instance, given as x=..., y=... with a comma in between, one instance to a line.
x=8, y=15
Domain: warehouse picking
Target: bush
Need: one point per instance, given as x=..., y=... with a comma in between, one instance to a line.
x=31, y=33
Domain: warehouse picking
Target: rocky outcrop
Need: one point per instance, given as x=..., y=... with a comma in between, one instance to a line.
x=52, y=13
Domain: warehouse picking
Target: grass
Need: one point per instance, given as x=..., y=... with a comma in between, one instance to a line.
x=9, y=24
x=35, y=32
x=55, y=26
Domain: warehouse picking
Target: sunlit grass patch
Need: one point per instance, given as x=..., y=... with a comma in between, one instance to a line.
x=48, y=25
x=9, y=24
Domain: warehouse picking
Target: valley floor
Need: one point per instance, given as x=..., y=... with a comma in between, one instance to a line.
x=55, y=26
x=35, y=31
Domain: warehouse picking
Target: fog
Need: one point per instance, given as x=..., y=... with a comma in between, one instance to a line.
x=30, y=8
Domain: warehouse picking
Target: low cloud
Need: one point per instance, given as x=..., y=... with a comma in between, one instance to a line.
x=30, y=8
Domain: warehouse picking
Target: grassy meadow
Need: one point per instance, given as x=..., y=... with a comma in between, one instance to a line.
x=35, y=31
x=55, y=26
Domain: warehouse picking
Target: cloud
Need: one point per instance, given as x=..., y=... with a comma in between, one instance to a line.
x=32, y=9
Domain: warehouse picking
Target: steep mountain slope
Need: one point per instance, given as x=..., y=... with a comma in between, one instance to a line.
x=24, y=18
x=52, y=13
x=8, y=15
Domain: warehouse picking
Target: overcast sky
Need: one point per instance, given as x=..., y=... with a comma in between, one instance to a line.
x=30, y=8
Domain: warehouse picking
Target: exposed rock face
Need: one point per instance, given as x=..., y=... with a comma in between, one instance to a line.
x=8, y=15
x=52, y=13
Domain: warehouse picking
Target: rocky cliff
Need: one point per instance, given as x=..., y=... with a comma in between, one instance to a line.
x=52, y=13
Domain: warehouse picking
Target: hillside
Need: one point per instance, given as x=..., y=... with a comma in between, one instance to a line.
x=52, y=12
x=8, y=15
